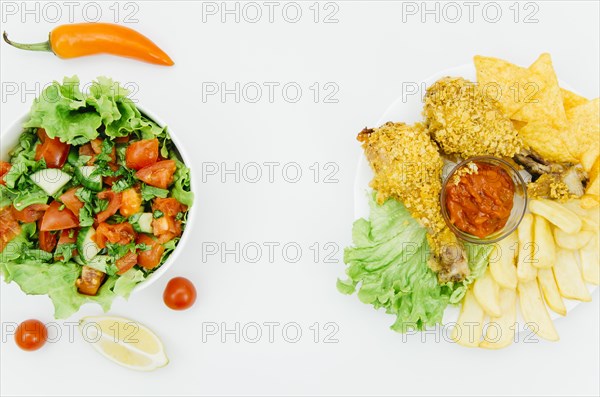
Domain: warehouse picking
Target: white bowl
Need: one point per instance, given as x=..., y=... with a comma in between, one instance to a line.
x=10, y=138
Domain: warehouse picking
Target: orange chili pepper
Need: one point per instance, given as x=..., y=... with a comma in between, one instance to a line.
x=82, y=39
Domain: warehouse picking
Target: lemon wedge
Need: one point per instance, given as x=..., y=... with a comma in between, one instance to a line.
x=125, y=342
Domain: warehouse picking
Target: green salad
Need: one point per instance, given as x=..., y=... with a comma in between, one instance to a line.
x=93, y=198
x=388, y=267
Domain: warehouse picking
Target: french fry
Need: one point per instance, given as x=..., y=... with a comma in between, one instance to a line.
x=590, y=261
x=502, y=266
x=500, y=331
x=572, y=241
x=535, y=312
x=527, y=248
x=487, y=293
x=550, y=291
x=469, y=326
x=557, y=214
x=544, y=243
x=568, y=277
x=590, y=217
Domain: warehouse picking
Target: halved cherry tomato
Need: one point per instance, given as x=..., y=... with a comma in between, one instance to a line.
x=141, y=154
x=159, y=174
x=131, y=202
x=114, y=202
x=9, y=227
x=30, y=213
x=31, y=335
x=121, y=233
x=4, y=168
x=166, y=225
x=71, y=201
x=57, y=219
x=149, y=258
x=126, y=262
x=180, y=294
x=48, y=241
x=168, y=206
x=52, y=150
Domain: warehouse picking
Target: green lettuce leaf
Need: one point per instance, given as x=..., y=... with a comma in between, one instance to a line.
x=387, y=267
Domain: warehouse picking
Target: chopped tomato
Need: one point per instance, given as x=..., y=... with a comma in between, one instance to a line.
x=122, y=139
x=96, y=145
x=166, y=225
x=126, y=262
x=57, y=219
x=30, y=213
x=86, y=150
x=67, y=236
x=121, y=233
x=159, y=174
x=168, y=206
x=47, y=240
x=131, y=202
x=90, y=281
x=71, y=201
x=141, y=154
x=165, y=238
x=52, y=150
x=110, y=180
x=114, y=202
x=150, y=258
x=4, y=168
x=9, y=227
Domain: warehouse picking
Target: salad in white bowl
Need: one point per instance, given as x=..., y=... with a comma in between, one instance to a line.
x=94, y=197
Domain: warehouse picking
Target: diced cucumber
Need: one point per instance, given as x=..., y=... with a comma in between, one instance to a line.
x=86, y=247
x=51, y=180
x=99, y=262
x=142, y=223
x=91, y=182
x=73, y=157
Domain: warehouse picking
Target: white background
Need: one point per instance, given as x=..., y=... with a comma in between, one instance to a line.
x=369, y=54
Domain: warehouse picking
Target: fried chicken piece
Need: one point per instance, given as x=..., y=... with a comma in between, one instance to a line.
x=464, y=120
x=408, y=167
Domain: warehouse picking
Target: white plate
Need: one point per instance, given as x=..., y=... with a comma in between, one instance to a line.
x=10, y=138
x=410, y=111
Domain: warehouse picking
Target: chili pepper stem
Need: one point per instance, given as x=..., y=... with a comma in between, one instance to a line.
x=44, y=46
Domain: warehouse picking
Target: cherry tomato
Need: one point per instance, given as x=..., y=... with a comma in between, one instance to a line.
x=159, y=174
x=131, y=202
x=4, y=168
x=114, y=202
x=149, y=259
x=57, y=219
x=141, y=154
x=9, y=227
x=31, y=335
x=71, y=201
x=30, y=213
x=180, y=294
x=52, y=150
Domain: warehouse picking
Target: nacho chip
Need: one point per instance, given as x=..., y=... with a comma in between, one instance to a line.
x=571, y=100
x=548, y=141
x=583, y=140
x=503, y=81
x=543, y=102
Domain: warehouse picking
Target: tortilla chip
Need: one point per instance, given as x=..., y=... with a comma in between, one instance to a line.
x=571, y=100
x=583, y=140
x=593, y=186
x=547, y=140
x=543, y=101
x=502, y=81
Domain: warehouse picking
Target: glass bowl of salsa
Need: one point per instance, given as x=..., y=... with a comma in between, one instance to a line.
x=483, y=199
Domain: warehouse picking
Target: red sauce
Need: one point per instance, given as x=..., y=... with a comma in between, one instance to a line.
x=481, y=202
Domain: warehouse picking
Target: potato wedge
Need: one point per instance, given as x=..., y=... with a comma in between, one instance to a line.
x=469, y=326
x=535, y=312
x=590, y=261
x=500, y=331
x=487, y=293
x=550, y=291
x=527, y=250
x=568, y=277
x=502, y=261
x=544, y=243
x=557, y=214
x=572, y=241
